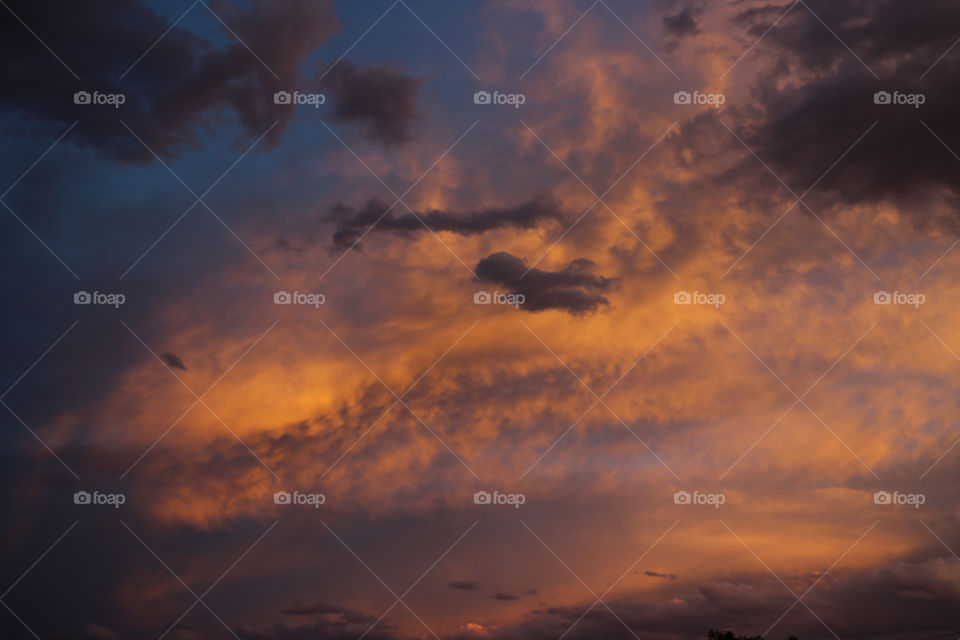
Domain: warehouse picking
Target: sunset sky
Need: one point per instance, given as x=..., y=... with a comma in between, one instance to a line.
x=480, y=320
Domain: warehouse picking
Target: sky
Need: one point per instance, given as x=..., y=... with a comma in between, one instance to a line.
x=409, y=319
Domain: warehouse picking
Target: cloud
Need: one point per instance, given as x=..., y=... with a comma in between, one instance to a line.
x=318, y=609
x=173, y=361
x=682, y=23
x=170, y=110
x=666, y=576
x=352, y=223
x=572, y=289
x=380, y=98
x=802, y=127
x=465, y=586
x=500, y=595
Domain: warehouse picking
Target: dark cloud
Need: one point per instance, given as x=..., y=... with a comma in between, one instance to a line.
x=500, y=595
x=800, y=128
x=465, y=586
x=380, y=99
x=683, y=23
x=318, y=609
x=666, y=576
x=352, y=223
x=572, y=289
x=173, y=361
x=183, y=86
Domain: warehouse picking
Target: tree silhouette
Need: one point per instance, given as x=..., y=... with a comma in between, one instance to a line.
x=728, y=635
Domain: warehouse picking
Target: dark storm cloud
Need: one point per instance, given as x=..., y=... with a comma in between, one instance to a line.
x=666, y=576
x=465, y=586
x=173, y=361
x=352, y=223
x=802, y=127
x=683, y=23
x=572, y=289
x=500, y=595
x=178, y=90
x=380, y=99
